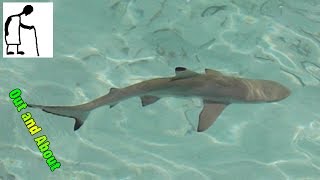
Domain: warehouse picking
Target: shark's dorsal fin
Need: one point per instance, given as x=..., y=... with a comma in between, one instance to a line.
x=112, y=91
x=212, y=72
x=146, y=100
x=182, y=72
x=211, y=110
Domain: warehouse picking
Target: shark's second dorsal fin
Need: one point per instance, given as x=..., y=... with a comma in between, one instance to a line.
x=112, y=91
x=212, y=72
x=182, y=72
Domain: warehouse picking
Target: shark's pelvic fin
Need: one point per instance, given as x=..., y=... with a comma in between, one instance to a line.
x=182, y=72
x=210, y=112
x=75, y=112
x=146, y=100
x=111, y=106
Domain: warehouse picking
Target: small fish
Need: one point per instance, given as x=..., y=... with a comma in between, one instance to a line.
x=215, y=89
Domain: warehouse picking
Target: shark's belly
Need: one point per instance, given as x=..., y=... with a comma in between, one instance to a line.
x=217, y=95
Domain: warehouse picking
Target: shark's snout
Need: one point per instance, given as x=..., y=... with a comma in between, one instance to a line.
x=274, y=91
x=286, y=92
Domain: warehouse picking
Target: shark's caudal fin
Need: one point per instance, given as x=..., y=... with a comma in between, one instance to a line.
x=75, y=112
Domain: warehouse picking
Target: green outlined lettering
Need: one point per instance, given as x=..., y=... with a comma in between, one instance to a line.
x=15, y=93
x=17, y=100
x=47, y=154
x=30, y=123
x=41, y=141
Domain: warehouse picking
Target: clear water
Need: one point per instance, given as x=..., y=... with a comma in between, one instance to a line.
x=114, y=43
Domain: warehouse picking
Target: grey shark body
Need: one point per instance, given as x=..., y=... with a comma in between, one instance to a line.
x=216, y=90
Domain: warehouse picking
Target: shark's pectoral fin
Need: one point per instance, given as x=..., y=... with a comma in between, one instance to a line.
x=210, y=112
x=182, y=72
x=146, y=100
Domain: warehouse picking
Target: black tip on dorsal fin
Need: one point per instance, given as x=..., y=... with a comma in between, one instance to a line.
x=182, y=72
x=179, y=69
x=113, y=89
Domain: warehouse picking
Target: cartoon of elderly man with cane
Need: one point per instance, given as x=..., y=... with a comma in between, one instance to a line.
x=12, y=29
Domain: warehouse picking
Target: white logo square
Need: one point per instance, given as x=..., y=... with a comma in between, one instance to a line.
x=27, y=29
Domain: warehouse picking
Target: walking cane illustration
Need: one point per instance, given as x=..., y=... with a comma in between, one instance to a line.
x=35, y=35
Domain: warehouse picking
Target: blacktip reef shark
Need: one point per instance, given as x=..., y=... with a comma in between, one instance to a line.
x=215, y=89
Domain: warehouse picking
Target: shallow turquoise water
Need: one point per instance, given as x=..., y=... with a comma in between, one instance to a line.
x=104, y=44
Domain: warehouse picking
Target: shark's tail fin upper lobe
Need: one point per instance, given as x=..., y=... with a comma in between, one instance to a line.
x=76, y=112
